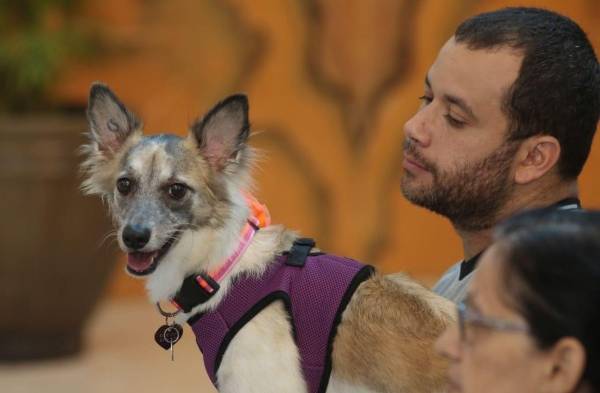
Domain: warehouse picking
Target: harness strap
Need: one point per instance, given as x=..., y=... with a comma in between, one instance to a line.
x=300, y=251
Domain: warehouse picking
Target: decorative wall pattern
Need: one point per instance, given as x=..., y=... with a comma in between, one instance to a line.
x=331, y=83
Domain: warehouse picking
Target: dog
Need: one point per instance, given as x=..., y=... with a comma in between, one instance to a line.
x=179, y=205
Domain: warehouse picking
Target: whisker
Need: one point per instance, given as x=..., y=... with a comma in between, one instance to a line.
x=191, y=226
x=111, y=234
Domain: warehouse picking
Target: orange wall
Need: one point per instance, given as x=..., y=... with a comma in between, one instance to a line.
x=331, y=84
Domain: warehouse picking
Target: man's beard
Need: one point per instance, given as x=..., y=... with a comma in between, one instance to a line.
x=470, y=196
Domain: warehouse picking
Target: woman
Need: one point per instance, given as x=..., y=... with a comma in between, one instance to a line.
x=531, y=321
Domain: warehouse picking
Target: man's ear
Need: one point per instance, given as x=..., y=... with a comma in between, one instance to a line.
x=222, y=133
x=536, y=156
x=564, y=366
x=111, y=123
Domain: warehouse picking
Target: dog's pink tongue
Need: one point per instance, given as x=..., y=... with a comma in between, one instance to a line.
x=140, y=261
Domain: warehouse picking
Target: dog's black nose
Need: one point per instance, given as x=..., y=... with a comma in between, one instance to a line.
x=136, y=236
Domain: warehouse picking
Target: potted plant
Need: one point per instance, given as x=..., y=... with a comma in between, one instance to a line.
x=52, y=266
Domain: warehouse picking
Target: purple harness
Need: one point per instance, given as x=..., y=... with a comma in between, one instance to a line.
x=315, y=290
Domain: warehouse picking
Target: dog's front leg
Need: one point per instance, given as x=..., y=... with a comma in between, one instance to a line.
x=263, y=357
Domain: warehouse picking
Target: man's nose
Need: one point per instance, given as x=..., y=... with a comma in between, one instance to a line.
x=417, y=128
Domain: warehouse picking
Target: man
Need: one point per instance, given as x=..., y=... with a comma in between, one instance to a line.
x=510, y=108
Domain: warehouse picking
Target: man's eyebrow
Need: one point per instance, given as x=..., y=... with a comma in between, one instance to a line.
x=459, y=102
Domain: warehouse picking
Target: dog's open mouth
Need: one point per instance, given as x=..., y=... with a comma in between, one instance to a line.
x=144, y=263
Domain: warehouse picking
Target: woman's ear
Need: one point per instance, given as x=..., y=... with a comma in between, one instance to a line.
x=564, y=367
x=536, y=157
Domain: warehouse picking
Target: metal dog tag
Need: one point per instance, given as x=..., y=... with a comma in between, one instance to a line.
x=168, y=335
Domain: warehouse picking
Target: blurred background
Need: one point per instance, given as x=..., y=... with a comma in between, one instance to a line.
x=330, y=83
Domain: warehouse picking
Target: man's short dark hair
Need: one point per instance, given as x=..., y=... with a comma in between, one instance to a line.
x=557, y=91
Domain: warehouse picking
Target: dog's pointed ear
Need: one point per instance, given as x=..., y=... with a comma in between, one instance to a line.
x=111, y=123
x=222, y=133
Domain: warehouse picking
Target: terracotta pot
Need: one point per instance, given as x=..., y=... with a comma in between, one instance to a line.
x=53, y=267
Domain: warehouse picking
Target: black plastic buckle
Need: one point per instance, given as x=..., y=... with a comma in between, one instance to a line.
x=300, y=251
x=195, y=290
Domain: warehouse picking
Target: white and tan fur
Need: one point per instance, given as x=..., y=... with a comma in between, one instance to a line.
x=384, y=342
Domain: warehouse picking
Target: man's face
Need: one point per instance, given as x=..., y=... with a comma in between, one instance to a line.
x=457, y=160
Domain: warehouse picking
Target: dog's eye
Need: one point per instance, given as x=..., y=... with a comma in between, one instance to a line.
x=124, y=186
x=177, y=191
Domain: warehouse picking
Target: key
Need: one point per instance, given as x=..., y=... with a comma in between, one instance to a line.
x=172, y=335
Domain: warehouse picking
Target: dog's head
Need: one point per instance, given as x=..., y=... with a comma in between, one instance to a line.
x=166, y=192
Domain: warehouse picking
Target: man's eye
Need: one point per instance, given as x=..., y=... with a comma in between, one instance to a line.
x=177, y=191
x=425, y=100
x=124, y=186
x=453, y=121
